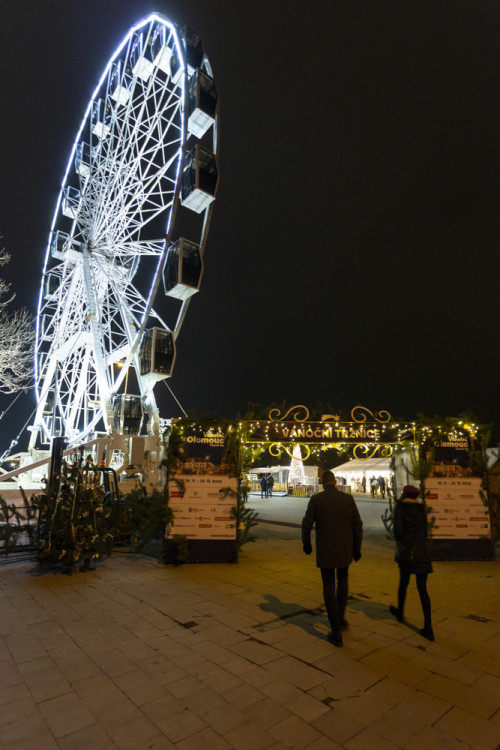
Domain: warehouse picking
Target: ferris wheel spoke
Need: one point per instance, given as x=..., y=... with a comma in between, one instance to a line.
x=130, y=193
x=130, y=159
x=140, y=126
x=139, y=204
x=73, y=381
x=147, y=140
x=137, y=307
x=140, y=248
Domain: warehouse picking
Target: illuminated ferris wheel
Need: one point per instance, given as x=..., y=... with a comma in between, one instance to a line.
x=130, y=223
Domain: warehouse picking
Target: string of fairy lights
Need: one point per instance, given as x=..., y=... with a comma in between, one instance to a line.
x=384, y=435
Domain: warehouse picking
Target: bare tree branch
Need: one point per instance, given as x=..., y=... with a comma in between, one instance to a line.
x=16, y=341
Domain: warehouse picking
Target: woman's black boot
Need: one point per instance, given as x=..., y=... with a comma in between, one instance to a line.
x=396, y=612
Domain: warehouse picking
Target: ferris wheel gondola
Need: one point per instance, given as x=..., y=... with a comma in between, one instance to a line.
x=143, y=161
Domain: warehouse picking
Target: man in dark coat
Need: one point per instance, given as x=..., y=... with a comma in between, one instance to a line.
x=339, y=531
x=269, y=485
x=263, y=486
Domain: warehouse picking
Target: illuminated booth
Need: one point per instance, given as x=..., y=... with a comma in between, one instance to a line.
x=142, y=57
x=128, y=414
x=83, y=159
x=193, y=49
x=120, y=83
x=51, y=285
x=71, y=202
x=101, y=118
x=157, y=354
x=199, y=179
x=64, y=247
x=161, y=54
x=58, y=243
x=183, y=269
x=202, y=103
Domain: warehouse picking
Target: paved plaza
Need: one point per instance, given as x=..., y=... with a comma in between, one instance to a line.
x=138, y=655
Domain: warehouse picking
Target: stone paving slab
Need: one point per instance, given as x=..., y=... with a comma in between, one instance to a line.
x=209, y=657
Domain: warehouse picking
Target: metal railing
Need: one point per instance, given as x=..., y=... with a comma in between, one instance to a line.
x=301, y=490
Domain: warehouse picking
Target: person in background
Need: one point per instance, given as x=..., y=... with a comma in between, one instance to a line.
x=388, y=486
x=412, y=554
x=381, y=486
x=263, y=486
x=269, y=485
x=339, y=532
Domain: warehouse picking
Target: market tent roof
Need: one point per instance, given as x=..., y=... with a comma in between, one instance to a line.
x=358, y=465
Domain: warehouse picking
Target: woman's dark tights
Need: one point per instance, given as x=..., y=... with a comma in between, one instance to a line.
x=404, y=580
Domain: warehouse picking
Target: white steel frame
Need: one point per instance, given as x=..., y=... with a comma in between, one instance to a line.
x=105, y=281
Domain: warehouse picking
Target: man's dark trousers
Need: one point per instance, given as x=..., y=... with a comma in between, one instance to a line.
x=335, y=601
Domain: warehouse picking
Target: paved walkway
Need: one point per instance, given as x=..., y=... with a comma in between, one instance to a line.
x=284, y=509
x=136, y=656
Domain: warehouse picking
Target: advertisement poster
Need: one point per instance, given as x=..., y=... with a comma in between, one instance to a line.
x=460, y=521
x=457, y=508
x=451, y=458
x=199, y=496
x=200, y=510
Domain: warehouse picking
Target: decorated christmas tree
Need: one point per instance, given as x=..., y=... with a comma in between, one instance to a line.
x=297, y=474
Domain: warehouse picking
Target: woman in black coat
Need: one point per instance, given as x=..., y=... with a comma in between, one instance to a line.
x=412, y=553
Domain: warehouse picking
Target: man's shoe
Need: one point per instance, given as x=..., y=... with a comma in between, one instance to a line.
x=343, y=623
x=336, y=639
x=397, y=614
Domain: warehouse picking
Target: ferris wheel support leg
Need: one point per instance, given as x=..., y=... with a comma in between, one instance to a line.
x=38, y=427
x=97, y=337
x=33, y=438
x=153, y=415
x=181, y=316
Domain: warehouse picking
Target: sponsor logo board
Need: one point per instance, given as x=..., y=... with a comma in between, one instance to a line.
x=456, y=504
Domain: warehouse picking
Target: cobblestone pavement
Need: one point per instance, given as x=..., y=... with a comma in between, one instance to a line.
x=137, y=655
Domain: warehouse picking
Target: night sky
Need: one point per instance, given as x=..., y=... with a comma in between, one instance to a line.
x=353, y=256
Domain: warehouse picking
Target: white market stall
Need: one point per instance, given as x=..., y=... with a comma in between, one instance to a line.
x=282, y=485
x=353, y=472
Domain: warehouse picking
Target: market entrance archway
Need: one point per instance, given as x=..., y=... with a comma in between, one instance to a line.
x=368, y=433
x=366, y=437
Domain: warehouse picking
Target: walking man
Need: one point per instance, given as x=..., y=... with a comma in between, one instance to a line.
x=339, y=531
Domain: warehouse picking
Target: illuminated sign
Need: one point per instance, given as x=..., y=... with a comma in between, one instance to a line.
x=327, y=432
x=368, y=431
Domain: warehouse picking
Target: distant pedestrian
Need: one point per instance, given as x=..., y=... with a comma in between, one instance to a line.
x=373, y=486
x=269, y=485
x=381, y=486
x=263, y=486
x=339, y=532
x=412, y=554
x=392, y=484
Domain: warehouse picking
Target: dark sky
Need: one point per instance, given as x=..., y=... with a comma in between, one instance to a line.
x=353, y=256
